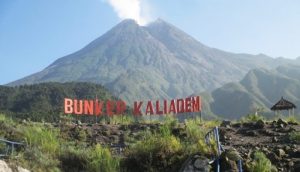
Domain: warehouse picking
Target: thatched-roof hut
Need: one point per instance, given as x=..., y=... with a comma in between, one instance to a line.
x=283, y=104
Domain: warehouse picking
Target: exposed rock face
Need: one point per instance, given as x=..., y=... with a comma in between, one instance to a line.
x=5, y=168
x=20, y=169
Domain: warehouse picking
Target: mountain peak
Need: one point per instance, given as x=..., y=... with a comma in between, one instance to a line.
x=128, y=21
x=160, y=23
x=127, y=26
x=159, y=20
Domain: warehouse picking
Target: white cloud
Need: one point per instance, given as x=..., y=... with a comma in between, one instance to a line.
x=129, y=9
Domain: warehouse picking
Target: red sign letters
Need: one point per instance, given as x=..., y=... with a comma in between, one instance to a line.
x=96, y=107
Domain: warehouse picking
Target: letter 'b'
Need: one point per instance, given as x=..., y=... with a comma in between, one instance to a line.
x=68, y=106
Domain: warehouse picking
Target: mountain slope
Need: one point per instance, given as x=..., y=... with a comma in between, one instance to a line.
x=152, y=62
x=260, y=88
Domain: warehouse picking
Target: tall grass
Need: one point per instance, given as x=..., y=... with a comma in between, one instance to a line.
x=100, y=159
x=194, y=130
x=261, y=163
x=122, y=119
x=4, y=118
x=42, y=138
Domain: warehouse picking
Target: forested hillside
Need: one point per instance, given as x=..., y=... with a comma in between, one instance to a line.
x=45, y=101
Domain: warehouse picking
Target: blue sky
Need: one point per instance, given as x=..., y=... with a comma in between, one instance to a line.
x=34, y=33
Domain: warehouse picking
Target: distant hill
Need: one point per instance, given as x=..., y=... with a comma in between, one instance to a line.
x=260, y=88
x=156, y=61
x=45, y=101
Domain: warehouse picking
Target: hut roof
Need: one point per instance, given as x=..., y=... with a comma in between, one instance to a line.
x=283, y=104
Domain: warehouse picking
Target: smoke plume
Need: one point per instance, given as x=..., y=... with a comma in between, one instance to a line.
x=128, y=9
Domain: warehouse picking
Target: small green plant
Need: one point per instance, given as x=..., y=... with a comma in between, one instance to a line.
x=252, y=118
x=4, y=118
x=292, y=119
x=295, y=136
x=261, y=163
x=211, y=124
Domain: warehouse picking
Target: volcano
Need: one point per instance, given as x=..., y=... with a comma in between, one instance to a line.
x=150, y=62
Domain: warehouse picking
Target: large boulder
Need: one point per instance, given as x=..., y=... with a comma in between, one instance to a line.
x=196, y=163
x=4, y=167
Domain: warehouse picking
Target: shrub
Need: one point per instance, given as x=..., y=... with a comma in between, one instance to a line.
x=170, y=121
x=73, y=158
x=261, y=163
x=165, y=130
x=205, y=149
x=78, y=133
x=194, y=131
x=36, y=160
x=100, y=159
x=154, y=153
x=10, y=130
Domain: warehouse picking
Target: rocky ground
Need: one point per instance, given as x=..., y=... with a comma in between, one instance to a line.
x=272, y=138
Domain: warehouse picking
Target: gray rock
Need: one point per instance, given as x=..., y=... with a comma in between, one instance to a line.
x=196, y=163
x=20, y=169
x=78, y=122
x=280, y=153
x=226, y=124
x=4, y=167
x=275, y=139
x=201, y=164
x=273, y=157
